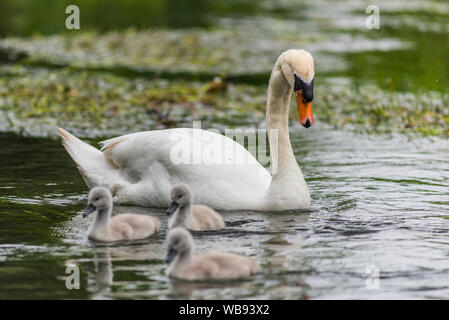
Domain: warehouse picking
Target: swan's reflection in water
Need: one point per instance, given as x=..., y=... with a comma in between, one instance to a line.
x=180, y=289
x=121, y=266
x=103, y=275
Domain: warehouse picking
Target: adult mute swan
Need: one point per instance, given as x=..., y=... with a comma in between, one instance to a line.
x=140, y=168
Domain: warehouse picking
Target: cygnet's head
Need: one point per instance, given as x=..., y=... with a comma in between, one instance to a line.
x=179, y=242
x=181, y=195
x=100, y=198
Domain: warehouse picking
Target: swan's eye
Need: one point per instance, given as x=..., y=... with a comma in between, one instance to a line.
x=179, y=197
x=297, y=83
x=97, y=198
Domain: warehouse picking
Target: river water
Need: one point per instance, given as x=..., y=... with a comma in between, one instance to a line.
x=378, y=228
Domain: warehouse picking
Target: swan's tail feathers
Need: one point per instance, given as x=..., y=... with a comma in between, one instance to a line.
x=91, y=163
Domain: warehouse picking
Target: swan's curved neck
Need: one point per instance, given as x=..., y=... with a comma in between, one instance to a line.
x=181, y=215
x=283, y=160
x=102, y=219
x=185, y=256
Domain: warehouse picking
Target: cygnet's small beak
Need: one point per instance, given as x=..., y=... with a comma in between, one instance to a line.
x=89, y=209
x=170, y=255
x=173, y=206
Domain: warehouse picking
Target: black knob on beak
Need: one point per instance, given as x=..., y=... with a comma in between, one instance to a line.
x=307, y=124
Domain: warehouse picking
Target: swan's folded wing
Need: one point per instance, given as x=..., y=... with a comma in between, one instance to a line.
x=180, y=148
x=134, y=153
x=218, y=169
x=109, y=143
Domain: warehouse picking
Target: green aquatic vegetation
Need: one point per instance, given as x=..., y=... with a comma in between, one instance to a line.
x=370, y=109
x=233, y=49
x=112, y=82
x=99, y=103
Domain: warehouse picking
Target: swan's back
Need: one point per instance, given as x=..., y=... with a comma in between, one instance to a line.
x=140, y=168
x=221, y=172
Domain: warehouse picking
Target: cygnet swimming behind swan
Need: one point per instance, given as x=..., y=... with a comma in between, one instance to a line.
x=196, y=217
x=208, y=265
x=120, y=227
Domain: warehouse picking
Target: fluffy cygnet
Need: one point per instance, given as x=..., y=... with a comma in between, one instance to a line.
x=125, y=226
x=207, y=265
x=192, y=217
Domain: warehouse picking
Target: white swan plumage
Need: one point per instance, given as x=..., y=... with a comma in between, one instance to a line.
x=141, y=168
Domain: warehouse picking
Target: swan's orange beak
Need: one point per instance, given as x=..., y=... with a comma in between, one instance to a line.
x=304, y=110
